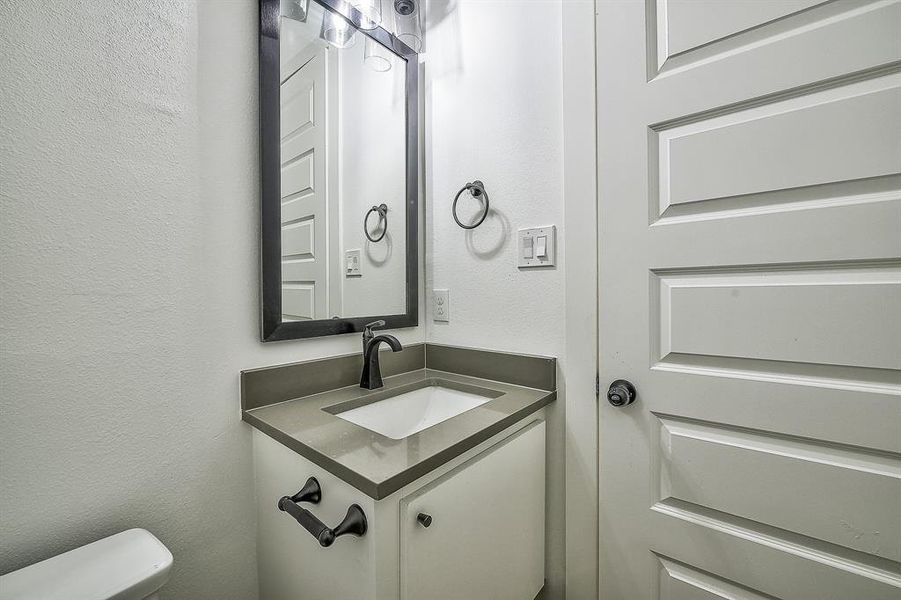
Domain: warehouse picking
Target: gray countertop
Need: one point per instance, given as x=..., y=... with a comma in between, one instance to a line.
x=378, y=465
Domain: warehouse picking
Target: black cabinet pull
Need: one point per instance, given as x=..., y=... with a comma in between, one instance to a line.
x=424, y=519
x=354, y=521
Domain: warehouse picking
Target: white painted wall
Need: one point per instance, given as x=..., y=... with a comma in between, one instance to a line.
x=128, y=282
x=493, y=77
x=493, y=112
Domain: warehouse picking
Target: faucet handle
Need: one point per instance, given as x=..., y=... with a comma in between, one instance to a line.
x=367, y=329
x=367, y=332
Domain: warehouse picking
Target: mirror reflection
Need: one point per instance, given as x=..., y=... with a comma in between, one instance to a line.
x=343, y=186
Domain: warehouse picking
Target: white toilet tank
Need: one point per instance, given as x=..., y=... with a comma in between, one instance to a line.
x=132, y=565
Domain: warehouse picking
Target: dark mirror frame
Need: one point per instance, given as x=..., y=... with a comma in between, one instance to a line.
x=273, y=328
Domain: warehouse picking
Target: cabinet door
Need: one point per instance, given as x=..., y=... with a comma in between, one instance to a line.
x=486, y=537
x=292, y=565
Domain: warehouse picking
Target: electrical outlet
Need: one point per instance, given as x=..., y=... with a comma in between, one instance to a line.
x=440, y=305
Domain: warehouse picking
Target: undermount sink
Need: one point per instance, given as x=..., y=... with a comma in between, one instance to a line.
x=401, y=412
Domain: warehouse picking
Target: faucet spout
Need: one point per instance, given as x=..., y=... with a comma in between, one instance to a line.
x=371, y=378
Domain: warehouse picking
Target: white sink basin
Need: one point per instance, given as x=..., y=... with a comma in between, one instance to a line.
x=409, y=412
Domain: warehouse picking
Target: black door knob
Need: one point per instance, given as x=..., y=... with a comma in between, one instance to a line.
x=621, y=393
x=424, y=519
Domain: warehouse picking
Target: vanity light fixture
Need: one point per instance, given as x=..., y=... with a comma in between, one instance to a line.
x=336, y=30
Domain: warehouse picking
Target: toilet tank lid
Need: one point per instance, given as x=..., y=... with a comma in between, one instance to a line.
x=129, y=565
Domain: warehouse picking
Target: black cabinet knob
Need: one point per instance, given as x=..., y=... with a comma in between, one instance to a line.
x=621, y=393
x=424, y=519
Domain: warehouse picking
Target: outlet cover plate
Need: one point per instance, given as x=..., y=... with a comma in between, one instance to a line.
x=352, y=263
x=441, y=305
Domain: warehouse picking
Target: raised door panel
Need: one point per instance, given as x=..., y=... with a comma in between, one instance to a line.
x=798, y=484
x=774, y=58
x=298, y=107
x=842, y=134
x=687, y=24
x=679, y=581
x=298, y=239
x=486, y=539
x=298, y=176
x=829, y=316
x=298, y=301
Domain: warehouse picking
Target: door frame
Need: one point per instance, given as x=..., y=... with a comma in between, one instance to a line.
x=580, y=362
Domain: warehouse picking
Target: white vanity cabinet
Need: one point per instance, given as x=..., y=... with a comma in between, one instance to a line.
x=486, y=534
x=485, y=537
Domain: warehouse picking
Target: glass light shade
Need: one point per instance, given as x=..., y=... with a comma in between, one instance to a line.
x=337, y=31
x=371, y=11
x=295, y=9
x=376, y=56
x=407, y=26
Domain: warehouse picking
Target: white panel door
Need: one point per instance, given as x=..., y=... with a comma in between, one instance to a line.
x=749, y=173
x=303, y=191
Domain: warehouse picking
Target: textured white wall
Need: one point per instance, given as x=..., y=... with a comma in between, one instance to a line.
x=129, y=258
x=493, y=112
x=128, y=299
x=493, y=77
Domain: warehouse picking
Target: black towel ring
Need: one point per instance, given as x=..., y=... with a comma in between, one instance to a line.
x=382, y=211
x=477, y=189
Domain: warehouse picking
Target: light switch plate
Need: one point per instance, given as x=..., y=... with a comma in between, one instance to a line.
x=529, y=245
x=352, y=263
x=440, y=305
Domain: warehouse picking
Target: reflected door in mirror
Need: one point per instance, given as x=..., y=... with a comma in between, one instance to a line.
x=304, y=209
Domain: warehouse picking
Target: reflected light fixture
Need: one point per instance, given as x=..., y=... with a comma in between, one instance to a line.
x=295, y=9
x=407, y=26
x=370, y=13
x=376, y=56
x=336, y=30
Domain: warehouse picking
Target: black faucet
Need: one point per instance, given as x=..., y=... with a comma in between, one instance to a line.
x=371, y=379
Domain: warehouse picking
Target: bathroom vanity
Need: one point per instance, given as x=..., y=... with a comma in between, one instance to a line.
x=446, y=462
x=421, y=475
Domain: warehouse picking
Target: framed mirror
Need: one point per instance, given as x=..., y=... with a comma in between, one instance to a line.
x=340, y=202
